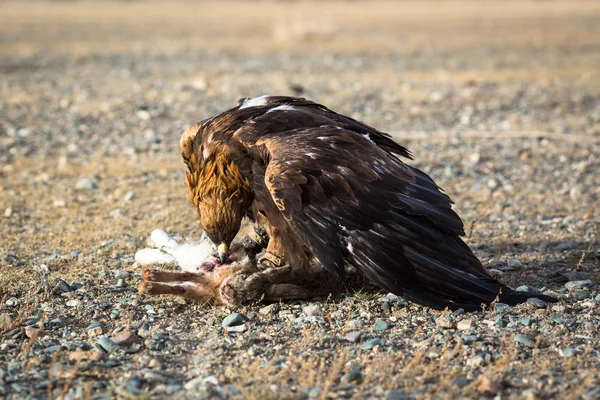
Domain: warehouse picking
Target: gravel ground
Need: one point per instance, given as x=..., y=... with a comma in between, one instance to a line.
x=499, y=102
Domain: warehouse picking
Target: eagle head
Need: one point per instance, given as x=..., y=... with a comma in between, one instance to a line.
x=221, y=196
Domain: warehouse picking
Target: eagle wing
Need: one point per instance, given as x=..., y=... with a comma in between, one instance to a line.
x=350, y=201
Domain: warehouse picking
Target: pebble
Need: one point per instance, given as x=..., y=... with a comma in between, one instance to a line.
x=107, y=344
x=538, y=303
x=73, y=303
x=525, y=321
x=524, y=340
x=355, y=375
x=95, y=329
x=501, y=306
x=582, y=294
x=380, y=326
x=460, y=381
x=479, y=360
x=567, y=352
x=370, y=344
x=355, y=324
x=528, y=289
x=121, y=283
x=129, y=196
x=8, y=212
x=312, y=310
x=270, y=309
x=353, y=336
x=60, y=286
x=60, y=202
x=397, y=395
x=465, y=324
x=126, y=338
x=52, y=349
x=237, y=328
x=514, y=263
x=446, y=322
x=233, y=320
x=86, y=184
x=572, y=285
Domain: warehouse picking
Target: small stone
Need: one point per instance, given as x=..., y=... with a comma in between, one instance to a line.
x=126, y=338
x=129, y=196
x=8, y=212
x=314, y=392
x=582, y=294
x=537, y=303
x=270, y=309
x=312, y=310
x=52, y=349
x=526, y=321
x=143, y=115
x=79, y=355
x=564, y=246
x=355, y=324
x=492, y=183
x=597, y=298
x=573, y=285
x=396, y=395
x=380, y=326
x=154, y=364
x=469, y=339
x=121, y=283
x=95, y=329
x=567, y=352
x=528, y=289
x=5, y=322
x=353, y=336
x=234, y=319
x=524, y=340
x=478, y=360
x=355, y=375
x=237, y=328
x=371, y=344
x=107, y=344
x=73, y=303
x=86, y=184
x=445, y=321
x=149, y=309
x=514, y=263
x=60, y=286
x=171, y=389
x=557, y=318
x=460, y=381
x=32, y=332
x=60, y=202
x=465, y=324
x=501, y=306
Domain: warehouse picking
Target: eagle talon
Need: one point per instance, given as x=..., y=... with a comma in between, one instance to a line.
x=270, y=260
x=255, y=241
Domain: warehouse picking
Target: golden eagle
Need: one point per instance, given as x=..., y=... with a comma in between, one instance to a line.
x=326, y=187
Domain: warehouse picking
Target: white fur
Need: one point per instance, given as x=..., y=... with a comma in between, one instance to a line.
x=188, y=255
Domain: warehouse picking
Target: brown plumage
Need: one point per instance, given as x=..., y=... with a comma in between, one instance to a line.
x=330, y=188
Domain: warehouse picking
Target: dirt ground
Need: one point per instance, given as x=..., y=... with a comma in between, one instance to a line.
x=498, y=101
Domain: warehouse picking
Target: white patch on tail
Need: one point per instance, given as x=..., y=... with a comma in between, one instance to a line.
x=256, y=102
x=283, y=107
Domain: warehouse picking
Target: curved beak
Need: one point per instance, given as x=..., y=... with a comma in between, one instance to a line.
x=222, y=250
